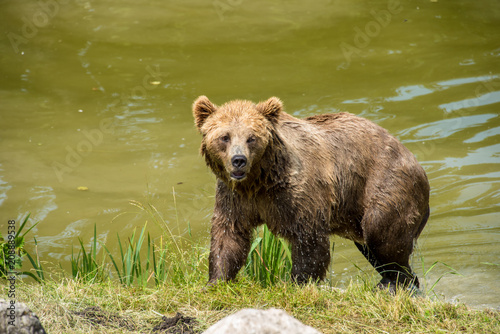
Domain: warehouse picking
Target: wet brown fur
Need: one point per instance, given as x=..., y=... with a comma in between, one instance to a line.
x=308, y=179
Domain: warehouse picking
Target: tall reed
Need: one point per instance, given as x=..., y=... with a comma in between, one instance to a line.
x=270, y=259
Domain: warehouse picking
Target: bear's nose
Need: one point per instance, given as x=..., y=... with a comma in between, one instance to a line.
x=239, y=161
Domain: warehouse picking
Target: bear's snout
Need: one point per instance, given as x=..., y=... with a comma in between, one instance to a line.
x=239, y=161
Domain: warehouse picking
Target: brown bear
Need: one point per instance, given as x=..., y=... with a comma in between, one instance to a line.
x=307, y=179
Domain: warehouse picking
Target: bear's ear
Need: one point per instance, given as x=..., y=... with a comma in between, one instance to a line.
x=270, y=108
x=202, y=108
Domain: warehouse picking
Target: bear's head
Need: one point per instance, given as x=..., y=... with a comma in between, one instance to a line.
x=235, y=135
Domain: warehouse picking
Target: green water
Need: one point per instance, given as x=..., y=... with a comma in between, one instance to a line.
x=98, y=94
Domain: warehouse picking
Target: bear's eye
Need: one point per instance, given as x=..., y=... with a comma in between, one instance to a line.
x=251, y=140
x=225, y=139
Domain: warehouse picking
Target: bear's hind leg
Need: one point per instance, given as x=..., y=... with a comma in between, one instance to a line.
x=393, y=274
x=388, y=247
x=368, y=255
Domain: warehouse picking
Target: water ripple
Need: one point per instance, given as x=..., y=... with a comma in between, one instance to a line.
x=444, y=128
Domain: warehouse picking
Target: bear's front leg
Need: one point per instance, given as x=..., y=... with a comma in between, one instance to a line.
x=310, y=257
x=229, y=249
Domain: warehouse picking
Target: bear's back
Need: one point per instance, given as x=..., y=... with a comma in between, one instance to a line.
x=338, y=131
x=345, y=146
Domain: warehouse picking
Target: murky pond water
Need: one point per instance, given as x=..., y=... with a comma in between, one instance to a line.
x=95, y=111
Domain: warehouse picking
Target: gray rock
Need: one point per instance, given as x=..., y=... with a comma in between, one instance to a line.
x=17, y=318
x=251, y=321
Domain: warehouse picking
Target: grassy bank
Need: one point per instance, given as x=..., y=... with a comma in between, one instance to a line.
x=63, y=307
x=129, y=292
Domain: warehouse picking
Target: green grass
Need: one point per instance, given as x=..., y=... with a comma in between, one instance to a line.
x=268, y=262
x=141, y=261
x=37, y=266
x=131, y=262
x=426, y=271
x=270, y=258
x=353, y=310
x=85, y=265
x=12, y=252
x=149, y=278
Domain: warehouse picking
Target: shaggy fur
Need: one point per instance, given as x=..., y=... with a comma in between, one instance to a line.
x=308, y=179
